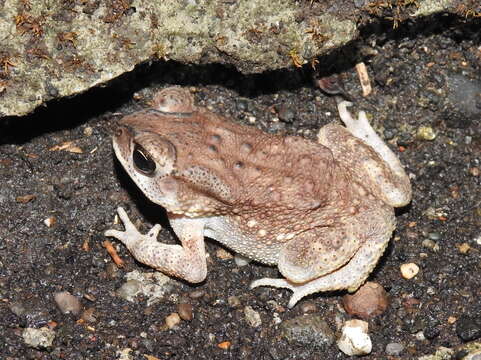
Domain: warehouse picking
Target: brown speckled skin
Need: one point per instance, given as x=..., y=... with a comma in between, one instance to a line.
x=322, y=212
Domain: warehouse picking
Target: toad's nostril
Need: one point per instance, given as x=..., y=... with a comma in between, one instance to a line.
x=118, y=131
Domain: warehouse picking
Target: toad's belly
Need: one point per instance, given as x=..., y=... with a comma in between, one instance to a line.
x=228, y=233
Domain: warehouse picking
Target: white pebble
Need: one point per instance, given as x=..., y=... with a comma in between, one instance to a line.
x=394, y=349
x=355, y=339
x=409, y=270
x=477, y=240
x=420, y=336
x=38, y=338
x=88, y=131
x=172, y=320
x=241, y=260
x=252, y=317
x=50, y=221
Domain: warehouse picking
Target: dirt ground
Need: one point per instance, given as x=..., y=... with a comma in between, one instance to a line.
x=57, y=198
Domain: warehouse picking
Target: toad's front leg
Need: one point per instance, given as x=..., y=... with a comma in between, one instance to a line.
x=186, y=262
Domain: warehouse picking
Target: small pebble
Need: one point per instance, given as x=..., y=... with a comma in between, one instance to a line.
x=463, y=248
x=241, y=104
x=172, y=320
x=88, y=315
x=409, y=270
x=474, y=355
x=468, y=328
x=431, y=332
x=112, y=270
x=368, y=301
x=308, y=307
x=50, y=221
x=30, y=315
x=186, y=311
x=430, y=244
x=460, y=108
x=153, y=286
x=124, y=354
x=394, y=349
x=67, y=303
x=420, y=336
x=38, y=338
x=425, y=133
x=355, y=339
x=223, y=254
x=253, y=317
x=129, y=289
x=285, y=113
x=452, y=319
x=474, y=171
x=241, y=260
x=88, y=131
x=196, y=294
x=17, y=308
x=309, y=330
x=477, y=240
x=233, y=301
x=274, y=305
x=359, y=3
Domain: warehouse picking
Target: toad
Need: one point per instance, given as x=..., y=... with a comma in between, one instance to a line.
x=322, y=212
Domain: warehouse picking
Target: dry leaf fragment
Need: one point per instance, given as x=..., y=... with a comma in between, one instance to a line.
x=25, y=198
x=150, y=357
x=75, y=150
x=61, y=146
x=67, y=146
x=225, y=345
x=364, y=79
x=86, y=245
x=113, y=253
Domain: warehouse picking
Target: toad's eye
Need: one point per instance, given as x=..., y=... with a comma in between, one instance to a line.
x=142, y=160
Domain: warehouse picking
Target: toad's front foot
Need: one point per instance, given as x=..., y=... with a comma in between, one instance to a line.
x=131, y=236
x=183, y=262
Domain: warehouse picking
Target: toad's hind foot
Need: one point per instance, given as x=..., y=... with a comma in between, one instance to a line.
x=377, y=166
x=299, y=291
x=350, y=276
x=278, y=283
x=359, y=127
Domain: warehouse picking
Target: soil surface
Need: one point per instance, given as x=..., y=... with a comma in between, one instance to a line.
x=60, y=186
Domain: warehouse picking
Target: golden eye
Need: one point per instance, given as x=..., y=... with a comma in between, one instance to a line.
x=142, y=161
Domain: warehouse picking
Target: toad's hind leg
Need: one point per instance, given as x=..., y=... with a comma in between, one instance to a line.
x=185, y=262
x=374, y=229
x=318, y=251
x=350, y=276
x=376, y=165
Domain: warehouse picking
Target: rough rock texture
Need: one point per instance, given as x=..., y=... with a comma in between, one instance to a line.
x=59, y=48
